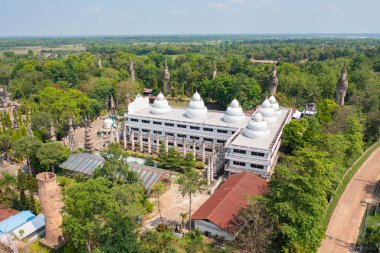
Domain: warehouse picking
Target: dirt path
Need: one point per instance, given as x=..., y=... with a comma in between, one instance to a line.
x=173, y=203
x=344, y=225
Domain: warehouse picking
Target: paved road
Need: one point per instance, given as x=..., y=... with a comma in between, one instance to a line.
x=343, y=228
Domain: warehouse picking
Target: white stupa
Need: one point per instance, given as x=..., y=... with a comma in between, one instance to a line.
x=234, y=113
x=196, y=108
x=160, y=105
x=268, y=112
x=275, y=105
x=257, y=127
x=107, y=123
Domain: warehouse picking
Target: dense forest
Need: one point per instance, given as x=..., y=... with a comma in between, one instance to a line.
x=315, y=153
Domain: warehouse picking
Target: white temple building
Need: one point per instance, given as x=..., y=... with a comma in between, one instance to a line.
x=225, y=140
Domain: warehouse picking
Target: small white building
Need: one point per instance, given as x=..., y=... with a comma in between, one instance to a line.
x=213, y=217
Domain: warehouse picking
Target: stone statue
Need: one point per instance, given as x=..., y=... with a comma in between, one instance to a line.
x=273, y=83
x=167, y=78
x=132, y=70
x=342, y=86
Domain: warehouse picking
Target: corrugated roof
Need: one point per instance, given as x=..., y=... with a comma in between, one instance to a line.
x=30, y=227
x=87, y=163
x=149, y=175
x=230, y=197
x=5, y=213
x=15, y=221
x=84, y=163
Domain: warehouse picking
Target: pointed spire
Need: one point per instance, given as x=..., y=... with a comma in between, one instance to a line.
x=273, y=83
x=88, y=144
x=29, y=130
x=112, y=104
x=214, y=70
x=132, y=70
x=71, y=137
x=52, y=136
x=99, y=61
x=167, y=78
x=342, y=86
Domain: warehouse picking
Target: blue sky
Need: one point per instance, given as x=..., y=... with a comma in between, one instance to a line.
x=132, y=17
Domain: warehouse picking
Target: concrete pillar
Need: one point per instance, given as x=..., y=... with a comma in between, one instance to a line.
x=51, y=205
x=125, y=143
x=208, y=173
x=133, y=140
x=166, y=143
x=117, y=133
x=158, y=143
x=149, y=144
x=141, y=142
x=175, y=142
x=203, y=152
x=194, y=150
x=184, y=147
x=212, y=166
x=112, y=136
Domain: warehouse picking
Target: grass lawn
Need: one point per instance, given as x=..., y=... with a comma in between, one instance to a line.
x=35, y=247
x=342, y=186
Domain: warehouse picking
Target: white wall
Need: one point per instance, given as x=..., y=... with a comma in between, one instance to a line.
x=213, y=230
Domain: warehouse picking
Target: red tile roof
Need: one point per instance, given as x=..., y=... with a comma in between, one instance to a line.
x=230, y=197
x=5, y=213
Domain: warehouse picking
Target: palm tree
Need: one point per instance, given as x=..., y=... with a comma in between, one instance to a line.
x=7, y=182
x=183, y=217
x=157, y=190
x=190, y=183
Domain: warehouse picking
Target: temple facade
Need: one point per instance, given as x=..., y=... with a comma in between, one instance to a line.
x=230, y=140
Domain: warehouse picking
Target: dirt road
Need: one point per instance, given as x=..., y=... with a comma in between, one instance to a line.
x=343, y=229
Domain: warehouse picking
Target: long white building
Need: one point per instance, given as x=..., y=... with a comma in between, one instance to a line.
x=226, y=140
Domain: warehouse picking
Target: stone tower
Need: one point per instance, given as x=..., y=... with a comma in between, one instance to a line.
x=88, y=144
x=132, y=70
x=214, y=70
x=342, y=86
x=99, y=61
x=167, y=78
x=52, y=136
x=71, y=137
x=51, y=204
x=273, y=83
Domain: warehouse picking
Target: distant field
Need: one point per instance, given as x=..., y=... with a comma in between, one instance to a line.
x=38, y=49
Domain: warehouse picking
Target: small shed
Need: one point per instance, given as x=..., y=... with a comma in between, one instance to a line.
x=213, y=217
x=31, y=230
x=15, y=221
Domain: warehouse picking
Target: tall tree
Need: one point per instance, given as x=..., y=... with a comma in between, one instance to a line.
x=157, y=190
x=27, y=147
x=115, y=167
x=252, y=227
x=51, y=154
x=190, y=183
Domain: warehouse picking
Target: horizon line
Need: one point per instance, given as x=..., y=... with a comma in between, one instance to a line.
x=332, y=34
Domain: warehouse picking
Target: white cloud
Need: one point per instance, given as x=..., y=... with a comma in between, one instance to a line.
x=218, y=5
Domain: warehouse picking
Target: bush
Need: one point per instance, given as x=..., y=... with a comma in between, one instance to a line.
x=161, y=228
